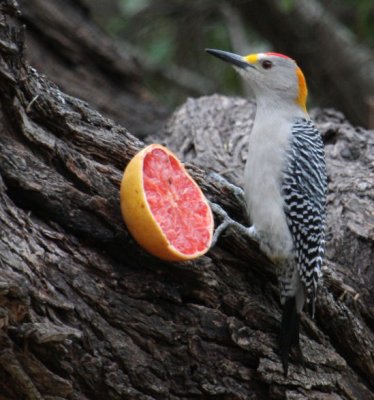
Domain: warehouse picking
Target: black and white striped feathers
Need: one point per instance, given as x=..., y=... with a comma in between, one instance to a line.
x=304, y=188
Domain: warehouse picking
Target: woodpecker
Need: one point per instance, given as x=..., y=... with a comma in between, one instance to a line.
x=284, y=184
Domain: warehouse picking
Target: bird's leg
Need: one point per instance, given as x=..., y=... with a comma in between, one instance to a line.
x=252, y=232
x=227, y=221
x=237, y=191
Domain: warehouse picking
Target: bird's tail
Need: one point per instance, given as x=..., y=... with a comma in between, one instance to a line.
x=289, y=335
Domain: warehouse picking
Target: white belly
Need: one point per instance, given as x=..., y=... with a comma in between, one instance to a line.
x=262, y=186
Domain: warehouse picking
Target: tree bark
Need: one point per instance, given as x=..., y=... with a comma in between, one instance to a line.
x=87, y=314
x=63, y=43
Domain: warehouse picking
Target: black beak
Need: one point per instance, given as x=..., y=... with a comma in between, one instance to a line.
x=234, y=59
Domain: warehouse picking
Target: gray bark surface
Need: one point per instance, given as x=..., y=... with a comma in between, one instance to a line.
x=87, y=314
x=64, y=43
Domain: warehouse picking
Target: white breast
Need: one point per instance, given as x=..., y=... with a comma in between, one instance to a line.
x=262, y=184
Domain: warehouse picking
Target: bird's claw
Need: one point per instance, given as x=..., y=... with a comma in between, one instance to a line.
x=226, y=222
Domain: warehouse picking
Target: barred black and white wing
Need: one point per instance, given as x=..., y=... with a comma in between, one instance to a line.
x=304, y=188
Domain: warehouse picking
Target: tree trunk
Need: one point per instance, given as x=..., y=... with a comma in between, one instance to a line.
x=86, y=314
x=63, y=43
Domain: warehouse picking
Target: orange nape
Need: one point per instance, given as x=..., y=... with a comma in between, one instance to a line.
x=303, y=90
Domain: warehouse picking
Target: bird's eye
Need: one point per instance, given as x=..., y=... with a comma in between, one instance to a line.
x=266, y=64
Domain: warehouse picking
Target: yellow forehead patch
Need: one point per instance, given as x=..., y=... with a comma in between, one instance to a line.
x=303, y=90
x=251, y=58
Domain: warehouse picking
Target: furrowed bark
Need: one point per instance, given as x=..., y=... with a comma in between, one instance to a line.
x=86, y=314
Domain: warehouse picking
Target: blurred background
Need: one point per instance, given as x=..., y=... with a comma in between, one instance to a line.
x=137, y=60
x=332, y=40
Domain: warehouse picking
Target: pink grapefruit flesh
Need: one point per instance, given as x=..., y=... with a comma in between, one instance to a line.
x=164, y=208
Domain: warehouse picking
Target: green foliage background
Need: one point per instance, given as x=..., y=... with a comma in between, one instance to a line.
x=169, y=37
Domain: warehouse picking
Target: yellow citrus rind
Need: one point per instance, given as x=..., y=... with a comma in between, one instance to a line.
x=138, y=216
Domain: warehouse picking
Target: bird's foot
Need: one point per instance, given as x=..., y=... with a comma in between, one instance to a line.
x=229, y=222
x=226, y=220
x=252, y=232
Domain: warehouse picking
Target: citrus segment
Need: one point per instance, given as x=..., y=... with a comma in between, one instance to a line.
x=163, y=207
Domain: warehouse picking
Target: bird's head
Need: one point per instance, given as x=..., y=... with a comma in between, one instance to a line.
x=269, y=74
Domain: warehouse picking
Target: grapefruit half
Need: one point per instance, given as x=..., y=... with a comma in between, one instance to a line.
x=164, y=208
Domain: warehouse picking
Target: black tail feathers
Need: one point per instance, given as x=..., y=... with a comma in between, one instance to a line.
x=289, y=335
